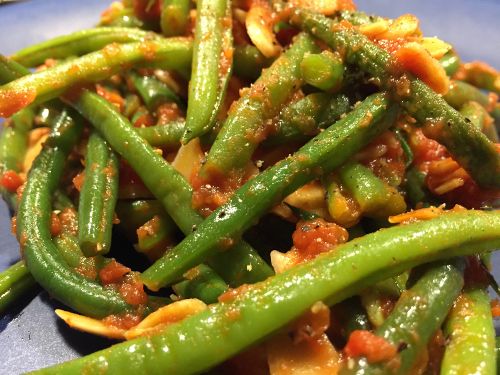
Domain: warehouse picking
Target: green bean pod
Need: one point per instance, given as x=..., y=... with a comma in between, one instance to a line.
x=374, y=197
x=173, y=53
x=480, y=118
x=326, y=151
x=174, y=17
x=467, y=145
x=166, y=136
x=461, y=93
x=450, y=62
x=239, y=135
x=323, y=70
x=156, y=233
x=471, y=347
x=416, y=317
x=77, y=44
x=98, y=197
x=33, y=222
x=203, y=283
x=10, y=70
x=15, y=281
x=248, y=62
x=201, y=341
x=211, y=66
x=154, y=92
x=241, y=264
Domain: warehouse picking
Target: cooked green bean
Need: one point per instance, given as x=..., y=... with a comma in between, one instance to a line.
x=480, y=118
x=173, y=53
x=166, y=136
x=248, y=62
x=323, y=153
x=417, y=315
x=211, y=66
x=10, y=70
x=154, y=92
x=471, y=336
x=461, y=92
x=98, y=197
x=77, y=43
x=467, y=145
x=450, y=62
x=323, y=70
x=239, y=265
x=15, y=281
x=156, y=233
x=174, y=17
x=33, y=222
x=247, y=120
x=203, y=283
x=205, y=339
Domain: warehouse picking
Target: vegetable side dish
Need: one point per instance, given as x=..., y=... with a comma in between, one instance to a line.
x=308, y=190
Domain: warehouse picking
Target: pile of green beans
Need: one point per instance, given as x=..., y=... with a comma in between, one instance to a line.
x=237, y=176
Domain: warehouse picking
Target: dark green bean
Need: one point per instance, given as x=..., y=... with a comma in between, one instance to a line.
x=211, y=66
x=203, y=283
x=153, y=91
x=173, y=53
x=214, y=335
x=416, y=317
x=33, y=222
x=98, y=197
x=77, y=43
x=471, y=336
x=467, y=145
x=174, y=17
x=248, y=62
x=326, y=151
x=239, y=136
x=239, y=265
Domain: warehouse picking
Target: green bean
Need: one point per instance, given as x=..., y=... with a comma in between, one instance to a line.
x=305, y=117
x=239, y=265
x=323, y=153
x=41, y=255
x=461, y=92
x=133, y=214
x=153, y=91
x=450, y=62
x=481, y=75
x=248, y=62
x=471, y=333
x=98, y=197
x=173, y=53
x=10, y=70
x=156, y=234
x=15, y=281
x=374, y=197
x=174, y=17
x=416, y=317
x=69, y=248
x=246, y=122
x=211, y=66
x=76, y=44
x=201, y=341
x=480, y=118
x=203, y=283
x=124, y=18
x=358, y=18
x=166, y=136
x=405, y=146
x=356, y=316
x=467, y=145
x=323, y=71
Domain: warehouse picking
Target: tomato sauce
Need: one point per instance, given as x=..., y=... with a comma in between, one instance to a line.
x=367, y=344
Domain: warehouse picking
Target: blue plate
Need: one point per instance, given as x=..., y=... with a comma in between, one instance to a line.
x=30, y=335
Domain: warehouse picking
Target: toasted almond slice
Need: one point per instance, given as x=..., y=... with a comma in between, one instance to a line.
x=435, y=46
x=166, y=315
x=259, y=26
x=188, y=158
x=90, y=325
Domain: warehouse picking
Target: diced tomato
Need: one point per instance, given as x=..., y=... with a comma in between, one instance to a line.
x=133, y=292
x=366, y=344
x=126, y=321
x=111, y=96
x=11, y=180
x=316, y=236
x=168, y=112
x=113, y=272
x=495, y=308
x=147, y=10
x=78, y=180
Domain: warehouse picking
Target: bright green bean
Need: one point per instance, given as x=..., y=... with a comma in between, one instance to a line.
x=210, y=337
x=174, y=17
x=323, y=71
x=15, y=281
x=203, y=284
x=154, y=92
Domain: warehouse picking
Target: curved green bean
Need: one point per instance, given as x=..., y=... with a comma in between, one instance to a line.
x=77, y=43
x=471, y=347
x=326, y=151
x=467, y=144
x=173, y=53
x=154, y=92
x=15, y=281
x=211, y=66
x=33, y=222
x=205, y=339
x=418, y=314
x=239, y=265
x=98, y=197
